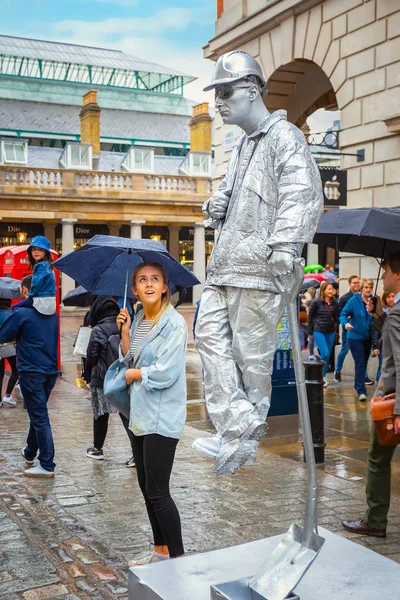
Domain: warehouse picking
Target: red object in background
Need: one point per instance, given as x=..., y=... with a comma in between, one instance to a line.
x=316, y=276
x=14, y=263
x=220, y=8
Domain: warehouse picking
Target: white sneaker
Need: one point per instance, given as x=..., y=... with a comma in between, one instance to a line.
x=38, y=472
x=29, y=463
x=9, y=400
x=18, y=393
x=208, y=447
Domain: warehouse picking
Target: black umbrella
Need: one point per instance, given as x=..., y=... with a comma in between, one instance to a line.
x=78, y=297
x=369, y=231
x=307, y=283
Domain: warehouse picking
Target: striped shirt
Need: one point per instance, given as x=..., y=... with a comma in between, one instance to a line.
x=142, y=330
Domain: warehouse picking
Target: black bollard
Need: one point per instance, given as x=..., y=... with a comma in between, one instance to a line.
x=314, y=367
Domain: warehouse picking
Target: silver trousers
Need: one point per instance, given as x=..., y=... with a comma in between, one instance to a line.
x=236, y=339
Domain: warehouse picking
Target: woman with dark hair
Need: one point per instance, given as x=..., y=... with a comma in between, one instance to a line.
x=102, y=319
x=7, y=353
x=323, y=322
x=154, y=349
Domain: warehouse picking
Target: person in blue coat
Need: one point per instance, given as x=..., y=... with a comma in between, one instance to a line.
x=36, y=337
x=357, y=322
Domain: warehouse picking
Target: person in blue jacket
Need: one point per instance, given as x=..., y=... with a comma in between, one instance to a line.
x=36, y=337
x=43, y=288
x=357, y=322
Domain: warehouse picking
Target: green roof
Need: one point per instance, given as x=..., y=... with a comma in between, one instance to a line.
x=54, y=61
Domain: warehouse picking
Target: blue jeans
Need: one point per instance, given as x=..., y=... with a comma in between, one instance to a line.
x=325, y=343
x=360, y=350
x=36, y=388
x=343, y=351
x=379, y=370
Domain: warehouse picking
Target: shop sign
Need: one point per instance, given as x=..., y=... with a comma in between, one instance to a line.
x=334, y=185
x=11, y=229
x=84, y=231
x=187, y=233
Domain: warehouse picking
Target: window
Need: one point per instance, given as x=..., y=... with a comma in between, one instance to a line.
x=197, y=163
x=13, y=152
x=139, y=160
x=77, y=156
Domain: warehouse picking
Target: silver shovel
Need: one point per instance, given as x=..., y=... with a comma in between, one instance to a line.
x=299, y=547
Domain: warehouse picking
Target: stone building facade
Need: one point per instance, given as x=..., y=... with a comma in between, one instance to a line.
x=332, y=54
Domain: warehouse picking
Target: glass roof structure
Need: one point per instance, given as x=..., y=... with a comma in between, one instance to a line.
x=54, y=61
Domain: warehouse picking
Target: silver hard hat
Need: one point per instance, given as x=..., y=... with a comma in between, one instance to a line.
x=233, y=66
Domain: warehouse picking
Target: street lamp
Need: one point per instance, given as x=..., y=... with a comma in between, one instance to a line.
x=21, y=237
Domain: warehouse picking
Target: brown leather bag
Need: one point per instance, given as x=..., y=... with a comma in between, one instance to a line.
x=382, y=414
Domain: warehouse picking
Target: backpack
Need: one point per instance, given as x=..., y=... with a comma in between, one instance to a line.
x=112, y=347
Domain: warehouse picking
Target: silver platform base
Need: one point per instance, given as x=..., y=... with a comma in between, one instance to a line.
x=343, y=570
x=239, y=590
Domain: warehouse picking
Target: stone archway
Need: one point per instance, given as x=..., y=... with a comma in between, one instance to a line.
x=300, y=87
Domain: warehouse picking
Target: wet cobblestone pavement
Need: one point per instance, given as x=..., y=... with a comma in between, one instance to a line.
x=71, y=538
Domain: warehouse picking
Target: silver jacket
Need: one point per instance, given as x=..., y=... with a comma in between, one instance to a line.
x=275, y=203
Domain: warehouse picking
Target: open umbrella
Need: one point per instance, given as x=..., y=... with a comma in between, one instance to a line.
x=370, y=231
x=78, y=297
x=104, y=265
x=10, y=288
x=307, y=283
x=311, y=268
x=317, y=276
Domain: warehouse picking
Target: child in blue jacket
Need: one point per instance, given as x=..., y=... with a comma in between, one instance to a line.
x=43, y=287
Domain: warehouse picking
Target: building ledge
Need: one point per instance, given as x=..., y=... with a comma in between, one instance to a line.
x=393, y=124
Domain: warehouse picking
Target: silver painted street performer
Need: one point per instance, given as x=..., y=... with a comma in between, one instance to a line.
x=266, y=208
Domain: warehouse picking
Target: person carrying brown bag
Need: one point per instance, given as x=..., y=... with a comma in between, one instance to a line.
x=375, y=519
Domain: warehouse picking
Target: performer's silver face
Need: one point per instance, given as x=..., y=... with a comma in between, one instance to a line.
x=233, y=101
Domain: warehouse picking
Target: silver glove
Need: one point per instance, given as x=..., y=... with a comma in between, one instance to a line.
x=281, y=262
x=218, y=205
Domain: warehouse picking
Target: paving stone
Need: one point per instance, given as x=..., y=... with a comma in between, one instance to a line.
x=74, y=501
x=83, y=585
x=103, y=573
x=75, y=570
x=74, y=544
x=45, y=592
x=86, y=557
x=117, y=588
x=64, y=556
x=6, y=576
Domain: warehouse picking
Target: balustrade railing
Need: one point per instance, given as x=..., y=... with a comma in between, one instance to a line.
x=42, y=178
x=163, y=183
x=103, y=181
x=82, y=181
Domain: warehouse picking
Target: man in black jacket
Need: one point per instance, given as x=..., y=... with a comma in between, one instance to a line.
x=380, y=457
x=354, y=283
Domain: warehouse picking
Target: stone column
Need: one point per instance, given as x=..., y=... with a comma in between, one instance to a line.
x=136, y=229
x=174, y=240
x=312, y=254
x=67, y=283
x=50, y=233
x=199, y=259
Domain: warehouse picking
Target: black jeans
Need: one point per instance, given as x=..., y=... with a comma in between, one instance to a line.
x=12, y=361
x=100, y=428
x=154, y=457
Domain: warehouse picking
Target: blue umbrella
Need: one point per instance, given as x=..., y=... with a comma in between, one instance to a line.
x=104, y=264
x=10, y=288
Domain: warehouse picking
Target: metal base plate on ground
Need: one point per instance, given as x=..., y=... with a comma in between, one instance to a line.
x=343, y=570
x=239, y=590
